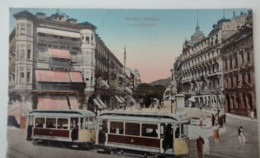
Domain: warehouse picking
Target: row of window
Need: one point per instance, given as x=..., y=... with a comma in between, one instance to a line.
x=63, y=123
x=233, y=81
x=233, y=61
x=23, y=75
x=149, y=130
x=23, y=29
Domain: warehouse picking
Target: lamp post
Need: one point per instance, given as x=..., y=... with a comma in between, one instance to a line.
x=171, y=98
x=124, y=78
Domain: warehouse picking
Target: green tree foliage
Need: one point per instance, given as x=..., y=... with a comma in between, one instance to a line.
x=146, y=92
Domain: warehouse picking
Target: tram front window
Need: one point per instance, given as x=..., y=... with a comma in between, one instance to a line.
x=181, y=131
x=149, y=130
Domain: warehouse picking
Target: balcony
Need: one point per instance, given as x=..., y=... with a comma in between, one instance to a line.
x=57, y=41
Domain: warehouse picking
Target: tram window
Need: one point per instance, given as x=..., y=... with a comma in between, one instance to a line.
x=73, y=123
x=63, y=123
x=90, y=123
x=149, y=130
x=132, y=129
x=50, y=123
x=39, y=122
x=117, y=127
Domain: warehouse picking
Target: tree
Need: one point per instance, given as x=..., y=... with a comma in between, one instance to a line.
x=147, y=93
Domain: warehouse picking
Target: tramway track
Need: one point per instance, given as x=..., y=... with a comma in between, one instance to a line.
x=13, y=153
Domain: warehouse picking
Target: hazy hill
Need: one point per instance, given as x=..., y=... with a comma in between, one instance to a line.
x=164, y=82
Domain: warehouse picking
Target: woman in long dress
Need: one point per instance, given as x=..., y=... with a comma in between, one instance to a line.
x=206, y=147
x=216, y=133
x=241, y=135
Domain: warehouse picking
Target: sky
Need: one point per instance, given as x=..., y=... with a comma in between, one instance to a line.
x=153, y=38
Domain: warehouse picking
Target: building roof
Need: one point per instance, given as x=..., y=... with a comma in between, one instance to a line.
x=24, y=13
x=87, y=24
x=197, y=33
x=59, y=53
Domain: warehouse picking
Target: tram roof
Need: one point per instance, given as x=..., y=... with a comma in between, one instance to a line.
x=61, y=113
x=141, y=117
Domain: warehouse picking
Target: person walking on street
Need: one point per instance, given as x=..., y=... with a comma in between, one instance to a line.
x=200, y=143
x=224, y=118
x=241, y=135
x=216, y=133
x=213, y=120
x=252, y=114
x=206, y=147
x=220, y=121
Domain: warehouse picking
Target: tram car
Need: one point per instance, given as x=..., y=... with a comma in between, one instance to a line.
x=66, y=128
x=159, y=135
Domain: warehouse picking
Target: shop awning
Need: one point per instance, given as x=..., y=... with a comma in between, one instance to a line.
x=123, y=100
x=132, y=99
x=118, y=100
x=73, y=102
x=57, y=32
x=128, y=90
x=58, y=76
x=59, y=53
x=52, y=76
x=192, y=99
x=97, y=103
x=101, y=102
x=105, y=84
x=76, y=77
x=52, y=103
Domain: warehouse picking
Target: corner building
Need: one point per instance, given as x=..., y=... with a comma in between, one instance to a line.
x=239, y=71
x=200, y=66
x=52, y=64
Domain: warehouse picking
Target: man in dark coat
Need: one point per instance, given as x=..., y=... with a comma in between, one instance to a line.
x=200, y=143
x=213, y=120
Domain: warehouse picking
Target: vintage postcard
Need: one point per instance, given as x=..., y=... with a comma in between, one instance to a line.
x=131, y=83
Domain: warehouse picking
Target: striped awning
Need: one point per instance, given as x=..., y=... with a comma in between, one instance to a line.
x=73, y=102
x=118, y=99
x=102, y=103
x=52, y=103
x=59, y=53
x=58, y=76
x=97, y=103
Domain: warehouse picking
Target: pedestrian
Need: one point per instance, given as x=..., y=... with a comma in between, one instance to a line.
x=220, y=121
x=201, y=123
x=216, y=133
x=213, y=120
x=206, y=147
x=224, y=118
x=241, y=135
x=200, y=143
x=252, y=114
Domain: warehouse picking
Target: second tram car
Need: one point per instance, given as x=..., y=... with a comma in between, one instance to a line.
x=71, y=128
x=147, y=134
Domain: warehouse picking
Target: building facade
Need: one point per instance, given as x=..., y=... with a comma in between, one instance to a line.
x=239, y=76
x=57, y=63
x=199, y=69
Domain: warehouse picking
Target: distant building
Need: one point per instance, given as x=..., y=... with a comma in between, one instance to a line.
x=239, y=70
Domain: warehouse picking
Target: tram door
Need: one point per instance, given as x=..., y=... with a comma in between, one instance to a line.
x=168, y=137
x=74, y=127
x=29, y=127
x=102, y=131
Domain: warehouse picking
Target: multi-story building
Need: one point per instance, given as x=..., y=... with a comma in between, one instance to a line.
x=199, y=68
x=239, y=77
x=57, y=63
